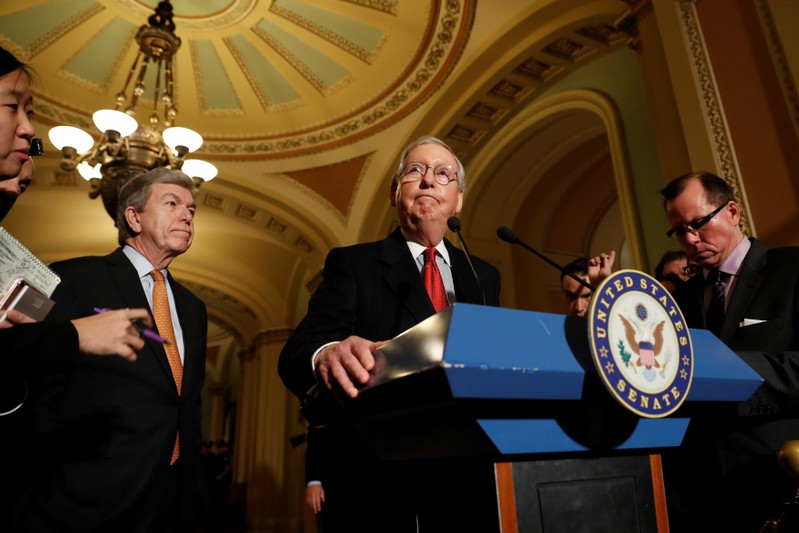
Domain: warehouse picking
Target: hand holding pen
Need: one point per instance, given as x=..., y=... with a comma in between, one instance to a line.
x=112, y=332
x=141, y=328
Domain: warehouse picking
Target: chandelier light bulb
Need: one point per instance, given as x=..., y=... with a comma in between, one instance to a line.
x=112, y=120
x=197, y=168
x=177, y=136
x=88, y=172
x=76, y=138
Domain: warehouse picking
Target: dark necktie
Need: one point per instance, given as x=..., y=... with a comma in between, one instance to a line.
x=433, y=282
x=715, y=309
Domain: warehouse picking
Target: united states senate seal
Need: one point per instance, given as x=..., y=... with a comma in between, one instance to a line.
x=640, y=344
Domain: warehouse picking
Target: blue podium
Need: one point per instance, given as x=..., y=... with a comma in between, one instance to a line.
x=519, y=388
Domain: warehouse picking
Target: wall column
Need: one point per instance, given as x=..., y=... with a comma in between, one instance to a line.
x=268, y=494
x=216, y=411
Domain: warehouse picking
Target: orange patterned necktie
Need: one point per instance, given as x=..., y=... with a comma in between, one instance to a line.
x=163, y=321
x=433, y=282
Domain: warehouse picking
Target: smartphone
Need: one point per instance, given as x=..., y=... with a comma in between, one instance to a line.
x=26, y=299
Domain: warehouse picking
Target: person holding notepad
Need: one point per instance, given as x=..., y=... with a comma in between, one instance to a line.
x=37, y=348
x=28, y=348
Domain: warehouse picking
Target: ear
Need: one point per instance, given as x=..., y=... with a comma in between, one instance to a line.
x=735, y=212
x=459, y=205
x=133, y=219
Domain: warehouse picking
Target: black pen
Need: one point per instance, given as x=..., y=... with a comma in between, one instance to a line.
x=141, y=328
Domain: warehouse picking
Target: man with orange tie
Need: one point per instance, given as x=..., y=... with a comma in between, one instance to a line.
x=370, y=293
x=118, y=441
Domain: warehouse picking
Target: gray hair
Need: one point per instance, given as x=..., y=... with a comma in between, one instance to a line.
x=136, y=192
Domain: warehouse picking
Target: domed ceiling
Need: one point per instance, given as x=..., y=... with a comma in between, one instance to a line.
x=258, y=79
x=304, y=106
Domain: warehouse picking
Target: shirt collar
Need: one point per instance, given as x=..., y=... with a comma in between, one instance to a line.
x=417, y=249
x=732, y=265
x=140, y=263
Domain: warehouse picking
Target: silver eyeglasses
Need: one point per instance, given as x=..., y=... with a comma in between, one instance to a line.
x=414, y=171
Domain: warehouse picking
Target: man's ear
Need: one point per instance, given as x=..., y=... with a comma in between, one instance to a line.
x=735, y=212
x=392, y=195
x=459, y=205
x=133, y=219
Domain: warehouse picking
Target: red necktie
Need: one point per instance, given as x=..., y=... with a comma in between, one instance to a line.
x=163, y=321
x=433, y=282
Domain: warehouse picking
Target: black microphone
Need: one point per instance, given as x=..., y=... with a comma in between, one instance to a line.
x=508, y=235
x=455, y=225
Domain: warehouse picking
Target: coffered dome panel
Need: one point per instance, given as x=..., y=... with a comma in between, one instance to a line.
x=258, y=79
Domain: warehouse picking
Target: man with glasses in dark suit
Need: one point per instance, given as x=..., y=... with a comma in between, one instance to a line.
x=370, y=293
x=747, y=294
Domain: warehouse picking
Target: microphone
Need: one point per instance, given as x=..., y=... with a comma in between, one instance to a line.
x=454, y=225
x=508, y=235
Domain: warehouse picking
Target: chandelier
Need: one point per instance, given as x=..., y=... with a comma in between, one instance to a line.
x=126, y=148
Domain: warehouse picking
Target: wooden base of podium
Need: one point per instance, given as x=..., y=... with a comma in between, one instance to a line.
x=623, y=493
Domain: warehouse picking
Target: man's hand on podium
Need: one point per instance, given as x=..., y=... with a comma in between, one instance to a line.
x=340, y=366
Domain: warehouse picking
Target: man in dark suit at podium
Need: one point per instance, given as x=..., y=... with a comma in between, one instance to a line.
x=747, y=295
x=370, y=293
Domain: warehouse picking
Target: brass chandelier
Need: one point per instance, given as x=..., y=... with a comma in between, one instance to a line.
x=126, y=148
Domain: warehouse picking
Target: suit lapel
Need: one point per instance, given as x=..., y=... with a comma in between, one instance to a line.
x=749, y=279
x=188, y=318
x=128, y=284
x=402, y=276
x=466, y=288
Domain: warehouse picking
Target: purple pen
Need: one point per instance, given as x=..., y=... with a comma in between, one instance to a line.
x=141, y=328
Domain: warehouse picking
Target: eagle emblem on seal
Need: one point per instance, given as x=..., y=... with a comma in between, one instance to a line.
x=644, y=337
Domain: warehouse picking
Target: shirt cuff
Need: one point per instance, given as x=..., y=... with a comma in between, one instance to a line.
x=316, y=353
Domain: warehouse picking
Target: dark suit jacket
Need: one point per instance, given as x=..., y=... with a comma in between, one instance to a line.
x=767, y=289
x=107, y=427
x=375, y=291
x=26, y=350
x=734, y=449
x=32, y=350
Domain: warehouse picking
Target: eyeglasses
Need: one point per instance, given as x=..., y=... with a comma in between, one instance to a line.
x=414, y=171
x=696, y=225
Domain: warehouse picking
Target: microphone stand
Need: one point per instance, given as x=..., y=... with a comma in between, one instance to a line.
x=508, y=235
x=454, y=224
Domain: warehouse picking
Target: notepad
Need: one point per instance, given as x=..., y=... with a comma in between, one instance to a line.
x=17, y=262
x=25, y=282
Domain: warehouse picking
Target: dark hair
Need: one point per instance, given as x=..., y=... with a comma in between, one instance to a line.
x=578, y=267
x=9, y=63
x=668, y=257
x=136, y=192
x=718, y=191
